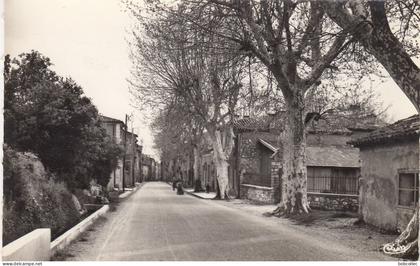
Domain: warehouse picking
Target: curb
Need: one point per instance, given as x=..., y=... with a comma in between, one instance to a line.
x=194, y=195
x=130, y=192
x=191, y=193
x=65, y=239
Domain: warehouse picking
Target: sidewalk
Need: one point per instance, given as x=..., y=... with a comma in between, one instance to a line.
x=202, y=195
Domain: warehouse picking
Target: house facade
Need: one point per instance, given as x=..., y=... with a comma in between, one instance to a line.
x=333, y=166
x=390, y=174
x=333, y=170
x=132, y=172
x=148, y=167
x=115, y=130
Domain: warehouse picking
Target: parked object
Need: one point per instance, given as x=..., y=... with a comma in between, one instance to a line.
x=179, y=189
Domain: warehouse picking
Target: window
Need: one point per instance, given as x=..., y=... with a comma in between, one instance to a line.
x=408, y=188
x=333, y=180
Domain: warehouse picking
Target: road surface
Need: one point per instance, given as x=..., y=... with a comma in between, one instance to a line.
x=156, y=224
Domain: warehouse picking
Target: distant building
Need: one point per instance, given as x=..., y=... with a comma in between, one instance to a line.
x=114, y=129
x=255, y=165
x=389, y=190
x=138, y=175
x=332, y=166
x=131, y=159
x=149, y=168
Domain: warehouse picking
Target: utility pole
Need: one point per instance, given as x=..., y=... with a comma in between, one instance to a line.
x=133, y=149
x=141, y=161
x=125, y=145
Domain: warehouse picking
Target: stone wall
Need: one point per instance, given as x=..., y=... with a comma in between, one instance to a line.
x=258, y=194
x=275, y=180
x=333, y=202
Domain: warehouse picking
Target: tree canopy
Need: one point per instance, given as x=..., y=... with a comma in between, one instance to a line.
x=49, y=116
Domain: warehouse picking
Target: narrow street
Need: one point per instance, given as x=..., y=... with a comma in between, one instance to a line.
x=156, y=224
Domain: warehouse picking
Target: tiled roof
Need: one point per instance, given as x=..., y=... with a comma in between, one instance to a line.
x=332, y=156
x=270, y=145
x=252, y=124
x=107, y=119
x=338, y=122
x=327, y=156
x=402, y=129
x=272, y=139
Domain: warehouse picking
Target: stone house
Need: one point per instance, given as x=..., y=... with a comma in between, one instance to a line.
x=114, y=129
x=148, y=168
x=390, y=174
x=333, y=166
x=138, y=176
x=131, y=159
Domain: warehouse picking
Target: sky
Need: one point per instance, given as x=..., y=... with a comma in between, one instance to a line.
x=86, y=40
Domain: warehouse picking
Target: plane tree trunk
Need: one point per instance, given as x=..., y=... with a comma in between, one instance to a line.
x=196, y=168
x=294, y=179
x=221, y=155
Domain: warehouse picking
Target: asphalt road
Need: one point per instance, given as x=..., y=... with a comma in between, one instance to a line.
x=156, y=224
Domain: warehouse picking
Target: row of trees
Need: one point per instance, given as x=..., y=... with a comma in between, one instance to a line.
x=197, y=56
x=48, y=115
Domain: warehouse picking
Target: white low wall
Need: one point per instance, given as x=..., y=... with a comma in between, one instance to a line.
x=34, y=246
x=65, y=239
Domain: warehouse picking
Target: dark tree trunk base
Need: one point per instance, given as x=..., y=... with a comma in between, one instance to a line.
x=283, y=211
x=406, y=245
x=217, y=197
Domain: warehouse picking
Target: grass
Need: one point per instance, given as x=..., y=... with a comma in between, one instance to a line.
x=62, y=255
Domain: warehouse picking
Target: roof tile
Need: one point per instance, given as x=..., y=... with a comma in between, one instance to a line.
x=402, y=129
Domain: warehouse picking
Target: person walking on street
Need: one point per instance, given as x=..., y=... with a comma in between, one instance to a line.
x=180, y=190
x=174, y=184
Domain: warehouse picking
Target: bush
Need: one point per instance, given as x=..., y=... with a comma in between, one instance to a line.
x=50, y=116
x=33, y=199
